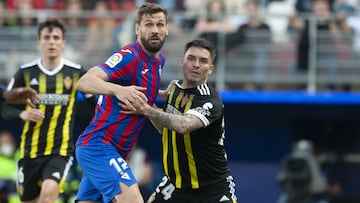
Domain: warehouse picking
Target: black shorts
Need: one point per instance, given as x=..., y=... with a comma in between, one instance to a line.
x=223, y=192
x=31, y=173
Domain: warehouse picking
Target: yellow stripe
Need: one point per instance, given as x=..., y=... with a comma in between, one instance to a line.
x=165, y=138
x=54, y=119
x=175, y=151
x=189, y=152
x=26, y=123
x=172, y=90
x=36, y=131
x=69, y=111
x=165, y=142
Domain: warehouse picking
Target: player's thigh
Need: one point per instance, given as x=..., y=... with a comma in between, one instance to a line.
x=105, y=169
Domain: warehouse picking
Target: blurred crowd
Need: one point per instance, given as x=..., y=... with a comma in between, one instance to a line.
x=247, y=29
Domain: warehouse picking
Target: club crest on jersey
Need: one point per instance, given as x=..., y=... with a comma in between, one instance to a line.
x=184, y=100
x=67, y=82
x=113, y=60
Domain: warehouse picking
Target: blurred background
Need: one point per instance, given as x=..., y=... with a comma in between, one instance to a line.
x=288, y=71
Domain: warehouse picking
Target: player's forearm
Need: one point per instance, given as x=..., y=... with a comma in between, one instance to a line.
x=180, y=123
x=94, y=85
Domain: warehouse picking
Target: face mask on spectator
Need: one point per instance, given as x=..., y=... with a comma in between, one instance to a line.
x=7, y=150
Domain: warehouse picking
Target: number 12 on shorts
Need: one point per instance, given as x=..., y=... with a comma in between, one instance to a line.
x=120, y=165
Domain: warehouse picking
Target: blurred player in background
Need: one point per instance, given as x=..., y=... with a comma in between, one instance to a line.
x=47, y=146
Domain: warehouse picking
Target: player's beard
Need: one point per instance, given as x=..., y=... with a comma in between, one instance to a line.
x=150, y=47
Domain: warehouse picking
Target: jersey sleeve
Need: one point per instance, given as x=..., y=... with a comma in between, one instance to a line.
x=10, y=112
x=208, y=109
x=17, y=80
x=119, y=64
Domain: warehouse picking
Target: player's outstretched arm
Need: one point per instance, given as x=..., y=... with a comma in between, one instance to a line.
x=95, y=81
x=21, y=95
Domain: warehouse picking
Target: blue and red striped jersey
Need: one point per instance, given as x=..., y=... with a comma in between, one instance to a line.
x=128, y=66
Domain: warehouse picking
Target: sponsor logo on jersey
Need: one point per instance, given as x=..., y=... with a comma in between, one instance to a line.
x=114, y=60
x=54, y=99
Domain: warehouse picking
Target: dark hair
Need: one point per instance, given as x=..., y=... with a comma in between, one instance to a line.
x=202, y=43
x=150, y=8
x=51, y=24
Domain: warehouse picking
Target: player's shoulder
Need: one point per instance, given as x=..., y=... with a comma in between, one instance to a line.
x=71, y=64
x=30, y=64
x=206, y=89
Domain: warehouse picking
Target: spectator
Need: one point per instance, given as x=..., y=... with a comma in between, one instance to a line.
x=36, y=4
x=25, y=9
x=327, y=38
x=214, y=21
x=74, y=9
x=99, y=30
x=3, y=19
x=306, y=6
x=9, y=155
x=76, y=24
x=254, y=37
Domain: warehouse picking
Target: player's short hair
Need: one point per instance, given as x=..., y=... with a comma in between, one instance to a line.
x=150, y=8
x=202, y=43
x=51, y=24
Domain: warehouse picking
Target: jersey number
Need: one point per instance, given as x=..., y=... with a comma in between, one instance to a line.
x=167, y=190
x=120, y=165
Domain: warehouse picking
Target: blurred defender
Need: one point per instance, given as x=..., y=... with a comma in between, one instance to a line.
x=46, y=140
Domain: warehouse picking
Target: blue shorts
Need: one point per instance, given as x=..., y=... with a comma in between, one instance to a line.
x=103, y=170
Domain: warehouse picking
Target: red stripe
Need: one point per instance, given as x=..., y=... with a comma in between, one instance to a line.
x=154, y=82
x=103, y=116
x=127, y=132
x=110, y=131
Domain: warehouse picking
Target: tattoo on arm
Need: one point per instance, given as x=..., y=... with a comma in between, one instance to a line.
x=180, y=123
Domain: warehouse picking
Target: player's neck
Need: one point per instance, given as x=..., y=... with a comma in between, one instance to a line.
x=50, y=63
x=189, y=84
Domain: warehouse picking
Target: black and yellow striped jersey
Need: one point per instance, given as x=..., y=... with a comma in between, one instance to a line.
x=196, y=159
x=57, y=98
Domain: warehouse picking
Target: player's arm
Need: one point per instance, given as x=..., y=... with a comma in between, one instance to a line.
x=164, y=93
x=19, y=95
x=95, y=81
x=183, y=124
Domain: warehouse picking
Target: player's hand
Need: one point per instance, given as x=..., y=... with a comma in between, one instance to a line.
x=131, y=96
x=21, y=95
x=164, y=93
x=33, y=115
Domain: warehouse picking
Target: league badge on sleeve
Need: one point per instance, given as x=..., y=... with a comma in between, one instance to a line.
x=113, y=60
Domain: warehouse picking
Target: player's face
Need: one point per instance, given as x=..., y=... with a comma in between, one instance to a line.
x=152, y=31
x=51, y=43
x=196, y=65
